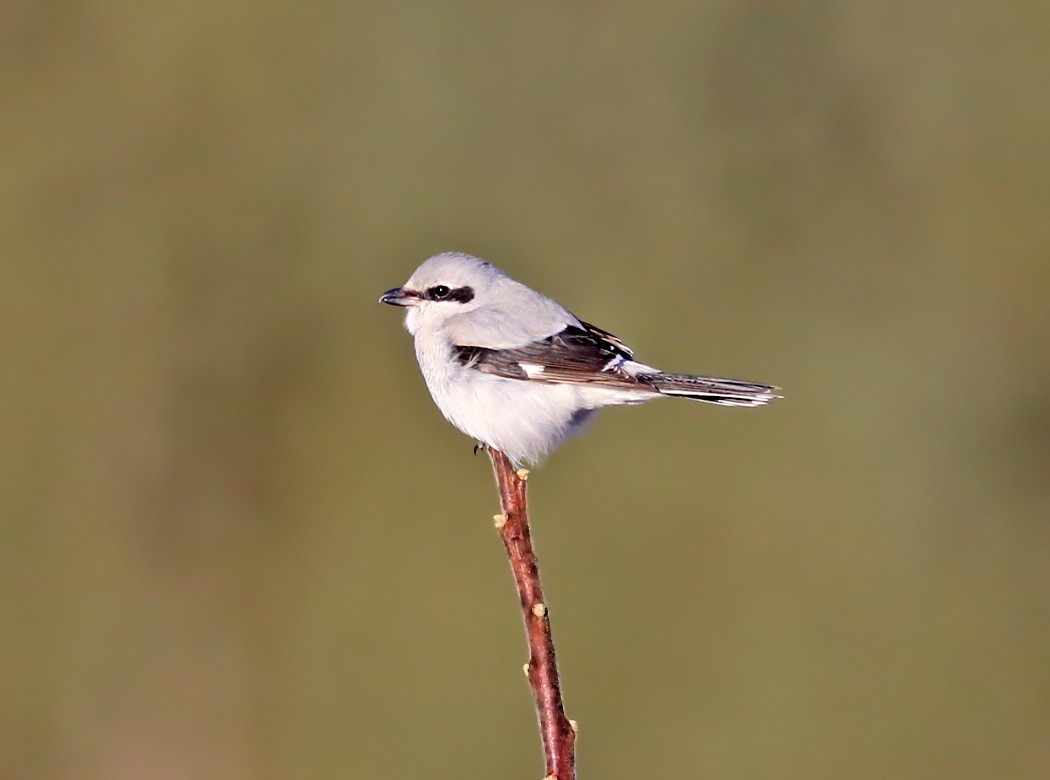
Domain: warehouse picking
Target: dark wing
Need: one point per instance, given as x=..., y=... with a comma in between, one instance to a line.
x=576, y=355
x=609, y=340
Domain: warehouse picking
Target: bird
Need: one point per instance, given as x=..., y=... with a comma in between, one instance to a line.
x=518, y=372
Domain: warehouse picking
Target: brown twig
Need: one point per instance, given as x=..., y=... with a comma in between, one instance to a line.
x=557, y=731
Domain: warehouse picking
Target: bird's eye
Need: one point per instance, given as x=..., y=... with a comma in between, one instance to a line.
x=439, y=292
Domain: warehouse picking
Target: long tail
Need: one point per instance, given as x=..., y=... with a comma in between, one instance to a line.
x=712, y=390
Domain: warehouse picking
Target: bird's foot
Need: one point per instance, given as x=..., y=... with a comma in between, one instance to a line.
x=480, y=447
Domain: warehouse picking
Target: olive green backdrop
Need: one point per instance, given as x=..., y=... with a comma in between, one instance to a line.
x=237, y=539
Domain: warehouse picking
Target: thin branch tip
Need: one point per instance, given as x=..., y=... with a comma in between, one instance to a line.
x=558, y=733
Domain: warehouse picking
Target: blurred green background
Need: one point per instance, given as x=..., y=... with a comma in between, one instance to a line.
x=237, y=539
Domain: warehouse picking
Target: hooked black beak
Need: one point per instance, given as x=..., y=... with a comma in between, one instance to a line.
x=399, y=296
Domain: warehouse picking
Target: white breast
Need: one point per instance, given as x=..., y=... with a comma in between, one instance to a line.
x=523, y=419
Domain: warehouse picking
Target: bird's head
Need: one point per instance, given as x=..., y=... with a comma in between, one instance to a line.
x=442, y=287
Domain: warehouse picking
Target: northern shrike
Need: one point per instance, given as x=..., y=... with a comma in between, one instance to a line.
x=516, y=371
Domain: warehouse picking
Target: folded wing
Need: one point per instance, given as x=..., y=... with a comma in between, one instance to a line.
x=590, y=355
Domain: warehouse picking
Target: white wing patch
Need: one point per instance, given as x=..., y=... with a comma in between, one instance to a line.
x=532, y=370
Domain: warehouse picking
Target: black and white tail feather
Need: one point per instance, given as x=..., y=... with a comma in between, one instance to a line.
x=713, y=390
x=516, y=371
